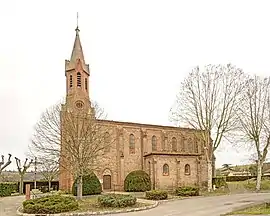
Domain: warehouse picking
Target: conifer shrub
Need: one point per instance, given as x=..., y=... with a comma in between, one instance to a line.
x=7, y=188
x=187, y=191
x=137, y=181
x=156, y=195
x=116, y=200
x=91, y=185
x=50, y=205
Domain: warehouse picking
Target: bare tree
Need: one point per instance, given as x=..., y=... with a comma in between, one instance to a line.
x=49, y=171
x=254, y=118
x=75, y=139
x=4, y=164
x=22, y=170
x=206, y=101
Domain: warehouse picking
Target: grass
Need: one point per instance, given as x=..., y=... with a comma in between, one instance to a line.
x=91, y=205
x=254, y=210
x=248, y=185
x=217, y=192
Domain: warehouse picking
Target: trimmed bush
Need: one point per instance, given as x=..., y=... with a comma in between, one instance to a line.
x=117, y=200
x=137, y=181
x=156, y=195
x=187, y=191
x=50, y=205
x=91, y=185
x=220, y=182
x=7, y=188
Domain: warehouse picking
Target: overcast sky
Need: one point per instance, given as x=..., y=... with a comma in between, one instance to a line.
x=138, y=51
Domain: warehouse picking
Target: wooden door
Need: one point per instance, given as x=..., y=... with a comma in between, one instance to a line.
x=106, y=182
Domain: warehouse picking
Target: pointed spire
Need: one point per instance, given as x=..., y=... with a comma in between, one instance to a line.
x=77, y=52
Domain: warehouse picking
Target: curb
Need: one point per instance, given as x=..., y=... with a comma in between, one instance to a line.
x=154, y=204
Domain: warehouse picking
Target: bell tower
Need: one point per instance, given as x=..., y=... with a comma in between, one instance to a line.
x=77, y=77
x=77, y=101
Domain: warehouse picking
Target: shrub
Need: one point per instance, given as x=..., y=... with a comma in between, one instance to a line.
x=238, y=178
x=117, y=200
x=91, y=185
x=156, y=195
x=50, y=205
x=7, y=188
x=220, y=182
x=187, y=191
x=137, y=181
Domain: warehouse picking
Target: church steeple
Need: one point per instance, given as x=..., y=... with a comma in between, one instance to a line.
x=77, y=56
x=77, y=52
x=77, y=72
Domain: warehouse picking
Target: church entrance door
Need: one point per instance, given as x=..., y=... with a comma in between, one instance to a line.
x=107, y=182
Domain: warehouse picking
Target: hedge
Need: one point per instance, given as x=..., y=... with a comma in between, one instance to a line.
x=220, y=182
x=237, y=178
x=156, y=195
x=50, y=205
x=137, y=181
x=187, y=191
x=7, y=188
x=117, y=200
x=91, y=185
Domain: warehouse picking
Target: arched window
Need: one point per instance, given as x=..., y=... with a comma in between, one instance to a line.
x=154, y=143
x=187, y=169
x=131, y=144
x=107, y=142
x=174, y=144
x=85, y=83
x=79, y=81
x=70, y=81
x=165, y=169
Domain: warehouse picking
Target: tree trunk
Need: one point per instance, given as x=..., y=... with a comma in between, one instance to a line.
x=213, y=165
x=259, y=176
x=209, y=171
x=79, y=188
x=21, y=184
x=50, y=185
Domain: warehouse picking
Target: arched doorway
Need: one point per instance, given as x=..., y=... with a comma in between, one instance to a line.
x=107, y=182
x=107, y=179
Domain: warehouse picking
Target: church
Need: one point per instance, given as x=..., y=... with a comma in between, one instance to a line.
x=172, y=156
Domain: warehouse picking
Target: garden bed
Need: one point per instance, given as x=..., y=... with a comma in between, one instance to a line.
x=91, y=205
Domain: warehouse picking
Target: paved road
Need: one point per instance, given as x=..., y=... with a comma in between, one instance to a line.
x=197, y=206
x=9, y=205
x=202, y=206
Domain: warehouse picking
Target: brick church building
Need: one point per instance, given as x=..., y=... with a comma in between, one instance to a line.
x=172, y=156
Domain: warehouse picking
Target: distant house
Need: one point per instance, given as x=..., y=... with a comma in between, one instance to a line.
x=239, y=173
x=266, y=169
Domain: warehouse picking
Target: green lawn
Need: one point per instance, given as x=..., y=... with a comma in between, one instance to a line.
x=217, y=192
x=254, y=210
x=91, y=205
x=248, y=185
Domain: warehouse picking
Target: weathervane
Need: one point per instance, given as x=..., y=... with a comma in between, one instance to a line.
x=77, y=28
